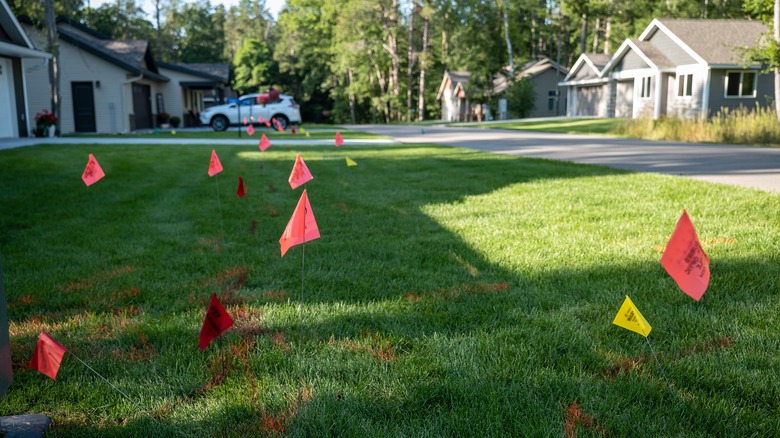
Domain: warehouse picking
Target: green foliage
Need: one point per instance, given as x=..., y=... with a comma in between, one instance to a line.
x=453, y=293
x=123, y=20
x=175, y=121
x=521, y=98
x=253, y=67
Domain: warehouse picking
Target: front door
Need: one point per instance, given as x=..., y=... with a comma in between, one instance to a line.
x=83, y=107
x=142, y=106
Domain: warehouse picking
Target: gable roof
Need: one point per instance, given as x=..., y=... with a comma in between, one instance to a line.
x=714, y=42
x=213, y=72
x=131, y=55
x=19, y=44
x=453, y=79
x=593, y=61
x=649, y=53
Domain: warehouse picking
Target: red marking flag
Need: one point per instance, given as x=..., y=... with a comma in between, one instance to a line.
x=302, y=226
x=264, y=143
x=339, y=140
x=300, y=173
x=685, y=260
x=214, y=166
x=47, y=356
x=250, y=130
x=93, y=172
x=241, y=191
x=217, y=321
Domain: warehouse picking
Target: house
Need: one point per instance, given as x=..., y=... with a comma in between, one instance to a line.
x=184, y=96
x=15, y=49
x=455, y=105
x=684, y=68
x=544, y=74
x=106, y=86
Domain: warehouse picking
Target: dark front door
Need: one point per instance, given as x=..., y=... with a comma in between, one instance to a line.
x=83, y=106
x=142, y=106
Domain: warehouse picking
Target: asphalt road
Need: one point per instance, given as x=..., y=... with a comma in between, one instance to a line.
x=745, y=166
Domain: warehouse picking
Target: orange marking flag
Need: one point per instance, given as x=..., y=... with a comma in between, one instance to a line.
x=250, y=130
x=217, y=321
x=300, y=173
x=264, y=143
x=47, y=356
x=685, y=260
x=214, y=166
x=260, y=119
x=629, y=318
x=241, y=191
x=245, y=120
x=93, y=172
x=302, y=226
x=339, y=140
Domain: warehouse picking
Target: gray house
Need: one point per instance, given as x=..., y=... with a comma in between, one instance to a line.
x=543, y=73
x=190, y=84
x=684, y=68
x=15, y=49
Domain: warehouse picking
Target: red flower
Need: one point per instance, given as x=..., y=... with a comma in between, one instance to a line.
x=45, y=118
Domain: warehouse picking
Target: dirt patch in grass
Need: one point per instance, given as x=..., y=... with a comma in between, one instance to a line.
x=378, y=348
x=574, y=417
x=276, y=423
x=228, y=281
x=458, y=291
x=138, y=351
x=24, y=300
x=97, y=278
x=279, y=339
x=342, y=206
x=270, y=209
x=276, y=295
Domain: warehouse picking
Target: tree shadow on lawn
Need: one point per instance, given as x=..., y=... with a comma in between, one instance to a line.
x=475, y=346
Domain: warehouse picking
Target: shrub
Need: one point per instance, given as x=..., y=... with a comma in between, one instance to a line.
x=162, y=118
x=175, y=121
x=520, y=98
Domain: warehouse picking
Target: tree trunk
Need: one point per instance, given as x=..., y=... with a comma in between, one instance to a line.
x=596, y=36
x=423, y=66
x=607, y=29
x=409, y=65
x=508, y=43
x=390, y=18
x=777, y=68
x=52, y=47
x=351, y=97
x=534, y=32
x=584, y=32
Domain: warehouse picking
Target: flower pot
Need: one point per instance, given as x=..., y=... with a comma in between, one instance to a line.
x=52, y=131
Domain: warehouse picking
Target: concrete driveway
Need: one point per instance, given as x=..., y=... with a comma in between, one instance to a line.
x=745, y=166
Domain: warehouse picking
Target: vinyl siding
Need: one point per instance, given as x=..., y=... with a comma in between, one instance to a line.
x=765, y=90
x=544, y=83
x=585, y=72
x=590, y=101
x=631, y=61
x=670, y=49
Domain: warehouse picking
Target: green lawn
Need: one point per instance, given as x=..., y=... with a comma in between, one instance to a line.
x=565, y=126
x=314, y=134
x=453, y=293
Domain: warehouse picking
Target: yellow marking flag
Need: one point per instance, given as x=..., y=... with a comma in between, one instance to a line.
x=351, y=163
x=307, y=135
x=303, y=131
x=629, y=318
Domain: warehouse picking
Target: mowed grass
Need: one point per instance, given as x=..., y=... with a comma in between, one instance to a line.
x=453, y=293
x=565, y=126
x=328, y=133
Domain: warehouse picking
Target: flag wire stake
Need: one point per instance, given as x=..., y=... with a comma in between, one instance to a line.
x=219, y=206
x=300, y=303
x=658, y=362
x=106, y=380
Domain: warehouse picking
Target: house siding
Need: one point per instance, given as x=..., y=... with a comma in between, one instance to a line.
x=764, y=94
x=671, y=49
x=584, y=72
x=543, y=84
x=590, y=101
x=624, y=102
x=631, y=61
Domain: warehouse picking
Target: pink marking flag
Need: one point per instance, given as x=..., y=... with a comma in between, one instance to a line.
x=217, y=321
x=214, y=166
x=245, y=120
x=302, y=226
x=93, y=172
x=47, y=356
x=339, y=139
x=278, y=125
x=240, y=191
x=260, y=119
x=300, y=173
x=250, y=130
x=264, y=143
x=685, y=260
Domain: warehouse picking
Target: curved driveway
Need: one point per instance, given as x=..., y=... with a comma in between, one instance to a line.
x=745, y=166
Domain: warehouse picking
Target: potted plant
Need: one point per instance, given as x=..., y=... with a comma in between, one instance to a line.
x=175, y=121
x=162, y=120
x=44, y=123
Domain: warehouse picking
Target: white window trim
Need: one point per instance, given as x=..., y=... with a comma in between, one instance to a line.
x=741, y=72
x=649, y=80
x=685, y=86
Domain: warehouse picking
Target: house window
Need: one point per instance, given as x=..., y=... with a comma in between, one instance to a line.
x=685, y=85
x=741, y=84
x=645, y=93
x=551, y=95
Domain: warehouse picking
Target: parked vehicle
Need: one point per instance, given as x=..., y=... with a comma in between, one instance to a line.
x=256, y=108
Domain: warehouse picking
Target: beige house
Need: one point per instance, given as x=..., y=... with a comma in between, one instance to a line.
x=106, y=86
x=455, y=105
x=16, y=49
x=183, y=96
